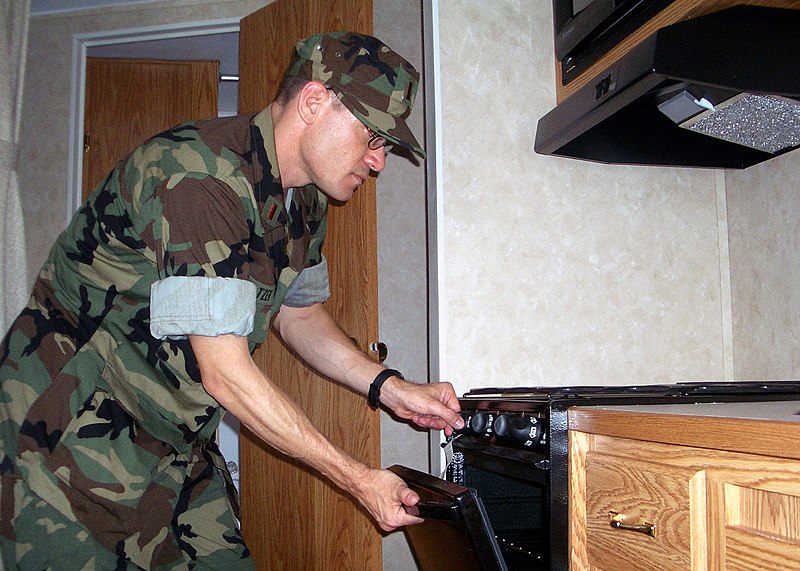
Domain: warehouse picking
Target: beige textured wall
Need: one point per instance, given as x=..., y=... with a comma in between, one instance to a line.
x=559, y=271
x=765, y=268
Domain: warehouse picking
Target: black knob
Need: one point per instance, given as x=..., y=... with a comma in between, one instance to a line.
x=482, y=424
x=523, y=430
x=467, y=417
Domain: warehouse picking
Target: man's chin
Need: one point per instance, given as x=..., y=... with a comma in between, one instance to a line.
x=340, y=194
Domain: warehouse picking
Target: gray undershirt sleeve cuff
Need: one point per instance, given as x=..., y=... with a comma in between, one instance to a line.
x=208, y=306
x=311, y=286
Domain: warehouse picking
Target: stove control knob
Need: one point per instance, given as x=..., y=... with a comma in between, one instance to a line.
x=523, y=430
x=467, y=417
x=482, y=424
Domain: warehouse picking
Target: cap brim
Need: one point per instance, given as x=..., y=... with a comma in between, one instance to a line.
x=394, y=129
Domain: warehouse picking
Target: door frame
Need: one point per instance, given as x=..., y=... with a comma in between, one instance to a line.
x=435, y=239
x=80, y=47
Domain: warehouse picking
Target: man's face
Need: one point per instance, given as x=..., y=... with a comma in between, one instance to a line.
x=339, y=158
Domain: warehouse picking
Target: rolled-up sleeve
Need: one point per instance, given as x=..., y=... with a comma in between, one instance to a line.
x=311, y=286
x=208, y=306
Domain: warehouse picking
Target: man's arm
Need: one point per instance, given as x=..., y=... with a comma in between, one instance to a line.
x=233, y=379
x=314, y=335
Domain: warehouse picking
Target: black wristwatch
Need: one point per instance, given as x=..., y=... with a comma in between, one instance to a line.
x=374, y=395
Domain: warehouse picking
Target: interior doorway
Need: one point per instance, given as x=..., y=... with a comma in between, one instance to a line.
x=217, y=39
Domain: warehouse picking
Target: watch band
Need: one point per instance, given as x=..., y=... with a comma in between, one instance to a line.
x=374, y=395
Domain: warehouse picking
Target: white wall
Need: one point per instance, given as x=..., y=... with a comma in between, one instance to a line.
x=764, y=207
x=559, y=272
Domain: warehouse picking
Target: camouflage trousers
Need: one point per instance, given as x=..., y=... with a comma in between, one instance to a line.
x=37, y=537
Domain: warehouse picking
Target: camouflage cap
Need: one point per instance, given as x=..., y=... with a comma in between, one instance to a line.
x=375, y=83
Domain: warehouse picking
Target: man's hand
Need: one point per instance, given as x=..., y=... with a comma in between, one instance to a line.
x=433, y=405
x=384, y=494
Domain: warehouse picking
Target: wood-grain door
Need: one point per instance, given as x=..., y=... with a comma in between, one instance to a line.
x=129, y=100
x=292, y=518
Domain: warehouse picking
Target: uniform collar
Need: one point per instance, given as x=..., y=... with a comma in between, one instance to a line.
x=265, y=127
x=263, y=121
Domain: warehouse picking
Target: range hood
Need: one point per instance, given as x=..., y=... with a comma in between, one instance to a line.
x=718, y=91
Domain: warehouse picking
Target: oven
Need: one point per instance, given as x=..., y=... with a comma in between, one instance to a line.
x=503, y=504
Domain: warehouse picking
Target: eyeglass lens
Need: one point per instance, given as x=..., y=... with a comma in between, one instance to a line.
x=376, y=141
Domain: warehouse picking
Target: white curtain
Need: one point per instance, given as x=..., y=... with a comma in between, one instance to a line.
x=13, y=271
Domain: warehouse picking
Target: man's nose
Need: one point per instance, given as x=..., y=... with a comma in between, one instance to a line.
x=376, y=159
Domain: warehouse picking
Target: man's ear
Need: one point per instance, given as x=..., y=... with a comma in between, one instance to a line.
x=311, y=101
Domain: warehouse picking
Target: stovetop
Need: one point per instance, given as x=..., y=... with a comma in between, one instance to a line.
x=623, y=392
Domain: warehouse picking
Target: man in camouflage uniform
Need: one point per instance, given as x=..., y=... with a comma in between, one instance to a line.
x=141, y=324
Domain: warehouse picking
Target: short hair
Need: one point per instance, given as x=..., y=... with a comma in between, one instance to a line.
x=291, y=86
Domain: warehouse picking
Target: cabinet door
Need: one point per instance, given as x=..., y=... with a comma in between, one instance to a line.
x=754, y=516
x=712, y=509
x=292, y=518
x=653, y=494
x=649, y=503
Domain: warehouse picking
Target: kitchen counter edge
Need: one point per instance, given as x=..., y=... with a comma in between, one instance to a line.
x=766, y=428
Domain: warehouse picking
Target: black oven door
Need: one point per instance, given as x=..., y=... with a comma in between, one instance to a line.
x=456, y=533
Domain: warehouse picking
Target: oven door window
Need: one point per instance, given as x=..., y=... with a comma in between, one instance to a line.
x=517, y=510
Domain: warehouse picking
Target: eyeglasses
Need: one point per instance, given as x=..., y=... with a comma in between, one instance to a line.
x=376, y=141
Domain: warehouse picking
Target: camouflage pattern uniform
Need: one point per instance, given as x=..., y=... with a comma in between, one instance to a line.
x=108, y=454
x=109, y=460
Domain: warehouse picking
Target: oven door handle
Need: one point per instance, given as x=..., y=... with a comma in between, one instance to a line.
x=434, y=510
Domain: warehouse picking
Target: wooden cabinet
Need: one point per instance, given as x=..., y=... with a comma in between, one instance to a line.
x=695, y=487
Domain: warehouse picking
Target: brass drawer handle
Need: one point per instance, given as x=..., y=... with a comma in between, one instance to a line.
x=615, y=520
